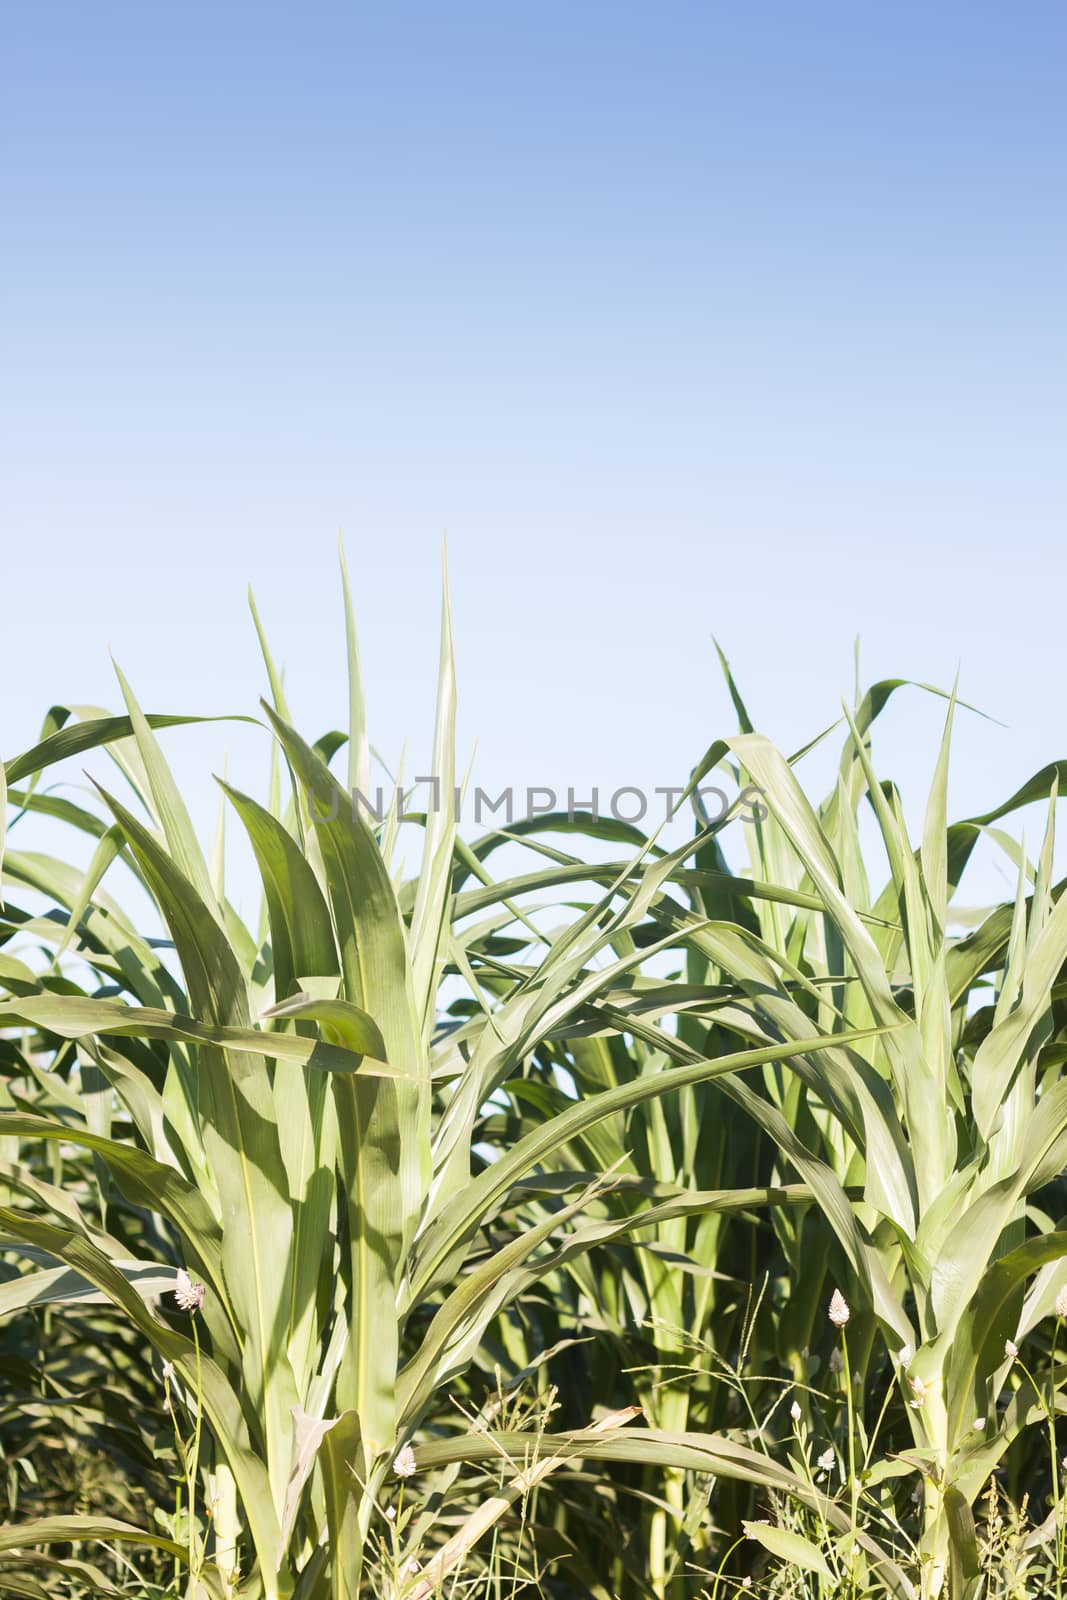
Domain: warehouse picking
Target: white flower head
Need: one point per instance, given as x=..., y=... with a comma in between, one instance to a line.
x=906, y=1355
x=1060, y=1307
x=838, y=1311
x=837, y=1360
x=918, y=1394
x=794, y=1411
x=1011, y=1350
x=189, y=1295
x=390, y=1513
x=979, y=1424
x=168, y=1371
x=404, y=1464
x=825, y=1462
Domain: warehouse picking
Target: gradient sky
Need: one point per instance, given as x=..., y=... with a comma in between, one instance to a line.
x=677, y=319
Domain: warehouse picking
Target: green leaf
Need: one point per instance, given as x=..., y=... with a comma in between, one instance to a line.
x=790, y=1547
x=74, y=1017
x=71, y=1530
x=78, y=737
x=350, y=1026
x=302, y=941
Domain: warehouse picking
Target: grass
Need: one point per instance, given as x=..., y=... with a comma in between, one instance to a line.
x=542, y=1185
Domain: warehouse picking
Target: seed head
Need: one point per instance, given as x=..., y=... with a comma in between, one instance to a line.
x=189, y=1295
x=837, y=1360
x=1060, y=1307
x=404, y=1465
x=1011, y=1349
x=838, y=1312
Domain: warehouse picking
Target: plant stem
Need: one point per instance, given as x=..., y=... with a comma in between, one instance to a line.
x=853, y=1482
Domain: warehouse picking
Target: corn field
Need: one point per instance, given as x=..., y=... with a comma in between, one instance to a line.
x=624, y=1222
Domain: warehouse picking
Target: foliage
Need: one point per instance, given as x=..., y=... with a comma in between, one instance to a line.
x=471, y=1173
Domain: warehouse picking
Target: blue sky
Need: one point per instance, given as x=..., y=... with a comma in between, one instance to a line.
x=696, y=318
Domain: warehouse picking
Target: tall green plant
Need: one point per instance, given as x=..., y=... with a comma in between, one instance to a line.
x=948, y=1125
x=305, y=1125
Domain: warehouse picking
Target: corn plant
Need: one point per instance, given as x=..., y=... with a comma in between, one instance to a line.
x=928, y=1148
x=298, y=1124
x=931, y=1150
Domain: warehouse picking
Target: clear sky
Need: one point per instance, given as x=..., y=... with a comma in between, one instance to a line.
x=678, y=319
